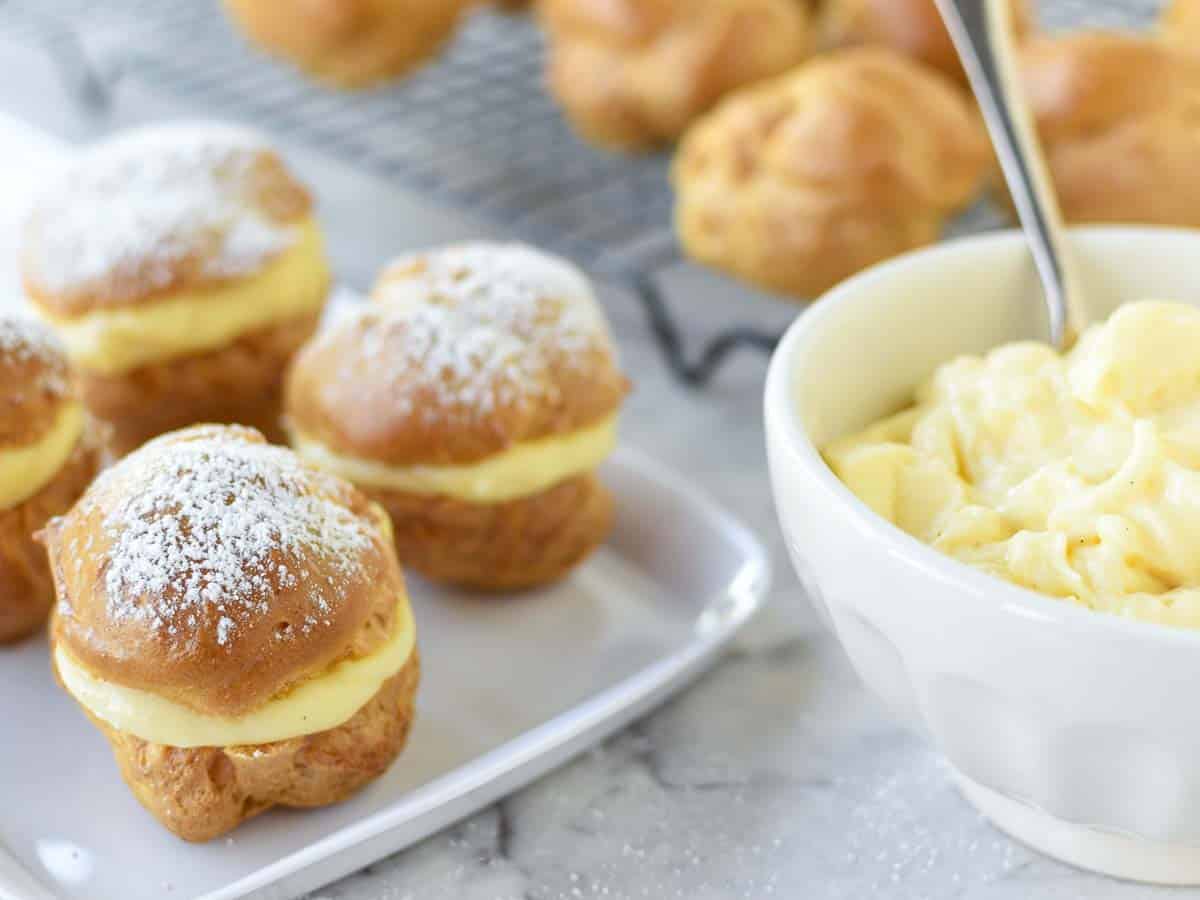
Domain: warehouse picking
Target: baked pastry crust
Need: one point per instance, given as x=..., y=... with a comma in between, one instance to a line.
x=493, y=354
x=36, y=385
x=349, y=43
x=632, y=74
x=1117, y=117
x=202, y=793
x=157, y=211
x=508, y=546
x=238, y=384
x=911, y=27
x=799, y=182
x=217, y=571
x=466, y=353
x=26, y=588
x=1180, y=20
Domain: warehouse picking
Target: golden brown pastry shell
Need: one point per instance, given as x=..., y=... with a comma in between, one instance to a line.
x=349, y=43
x=518, y=544
x=204, y=792
x=240, y=383
x=1117, y=116
x=26, y=588
x=334, y=395
x=799, y=182
x=199, y=673
x=632, y=74
x=34, y=387
x=911, y=27
x=274, y=192
x=1180, y=21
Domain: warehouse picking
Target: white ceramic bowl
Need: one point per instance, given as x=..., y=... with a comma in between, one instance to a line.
x=1077, y=732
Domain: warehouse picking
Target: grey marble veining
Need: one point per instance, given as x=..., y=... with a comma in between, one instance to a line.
x=776, y=774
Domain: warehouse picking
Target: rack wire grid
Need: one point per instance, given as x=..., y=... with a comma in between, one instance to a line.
x=474, y=130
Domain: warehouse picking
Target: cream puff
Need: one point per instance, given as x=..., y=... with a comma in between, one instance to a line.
x=801, y=181
x=911, y=27
x=1180, y=21
x=1117, y=115
x=633, y=74
x=235, y=622
x=349, y=43
x=48, y=455
x=474, y=399
x=181, y=266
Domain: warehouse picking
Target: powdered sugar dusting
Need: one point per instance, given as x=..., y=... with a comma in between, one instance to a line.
x=24, y=340
x=480, y=325
x=125, y=216
x=213, y=527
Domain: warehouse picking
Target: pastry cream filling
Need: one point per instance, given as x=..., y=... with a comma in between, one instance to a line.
x=27, y=469
x=1075, y=475
x=112, y=341
x=521, y=471
x=316, y=705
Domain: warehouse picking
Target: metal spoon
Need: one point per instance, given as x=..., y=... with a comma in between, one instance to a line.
x=982, y=31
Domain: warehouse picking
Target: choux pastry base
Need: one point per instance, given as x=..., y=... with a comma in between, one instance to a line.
x=202, y=793
x=519, y=544
x=241, y=384
x=349, y=43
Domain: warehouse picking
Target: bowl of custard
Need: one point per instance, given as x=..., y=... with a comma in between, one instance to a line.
x=1005, y=538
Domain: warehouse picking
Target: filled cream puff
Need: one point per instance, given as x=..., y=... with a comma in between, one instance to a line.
x=474, y=399
x=235, y=622
x=48, y=454
x=181, y=266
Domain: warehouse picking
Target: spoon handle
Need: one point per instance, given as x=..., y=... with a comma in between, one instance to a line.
x=982, y=31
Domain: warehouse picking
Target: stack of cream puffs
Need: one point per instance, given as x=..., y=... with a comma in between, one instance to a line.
x=48, y=454
x=474, y=399
x=181, y=266
x=235, y=622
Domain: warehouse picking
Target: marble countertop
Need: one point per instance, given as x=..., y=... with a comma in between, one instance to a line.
x=775, y=774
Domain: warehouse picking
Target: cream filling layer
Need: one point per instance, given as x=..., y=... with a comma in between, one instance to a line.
x=26, y=470
x=521, y=471
x=112, y=341
x=316, y=705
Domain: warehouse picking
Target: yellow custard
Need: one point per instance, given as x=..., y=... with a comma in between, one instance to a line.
x=112, y=341
x=26, y=470
x=1075, y=475
x=316, y=705
x=521, y=471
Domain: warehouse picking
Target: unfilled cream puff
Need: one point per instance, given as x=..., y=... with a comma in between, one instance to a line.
x=474, y=399
x=633, y=74
x=1117, y=117
x=1180, y=21
x=349, y=43
x=235, y=622
x=48, y=454
x=181, y=266
x=801, y=181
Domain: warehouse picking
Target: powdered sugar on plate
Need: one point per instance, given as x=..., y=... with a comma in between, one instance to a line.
x=208, y=529
x=131, y=210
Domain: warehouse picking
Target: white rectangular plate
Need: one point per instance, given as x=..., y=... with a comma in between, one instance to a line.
x=511, y=688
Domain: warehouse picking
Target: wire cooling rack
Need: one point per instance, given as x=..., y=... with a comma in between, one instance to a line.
x=474, y=130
